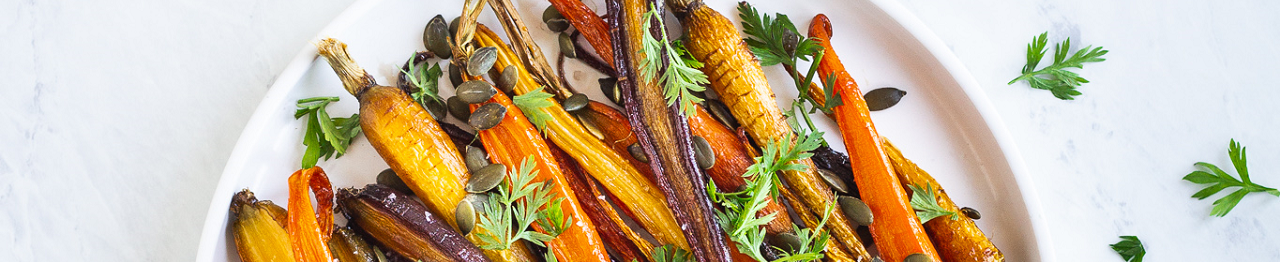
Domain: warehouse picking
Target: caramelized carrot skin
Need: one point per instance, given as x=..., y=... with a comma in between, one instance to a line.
x=412, y=143
x=512, y=141
x=589, y=24
x=896, y=229
x=309, y=229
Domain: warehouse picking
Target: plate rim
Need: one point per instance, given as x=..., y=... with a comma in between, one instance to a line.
x=215, y=219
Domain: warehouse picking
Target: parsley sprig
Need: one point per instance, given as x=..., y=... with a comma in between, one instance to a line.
x=740, y=208
x=532, y=103
x=679, y=80
x=518, y=204
x=425, y=79
x=1221, y=180
x=926, y=204
x=1055, y=77
x=1130, y=248
x=325, y=136
x=776, y=41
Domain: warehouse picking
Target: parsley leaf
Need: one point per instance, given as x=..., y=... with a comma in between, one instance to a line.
x=670, y=253
x=425, y=81
x=926, y=204
x=740, y=208
x=1221, y=180
x=518, y=203
x=679, y=80
x=1055, y=77
x=678, y=46
x=325, y=137
x=532, y=103
x=1130, y=248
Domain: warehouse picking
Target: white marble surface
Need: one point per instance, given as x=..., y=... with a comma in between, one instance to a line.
x=120, y=115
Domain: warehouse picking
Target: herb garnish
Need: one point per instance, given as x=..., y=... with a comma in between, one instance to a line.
x=426, y=82
x=926, y=204
x=1130, y=248
x=670, y=253
x=518, y=203
x=776, y=41
x=532, y=103
x=325, y=137
x=1221, y=180
x=679, y=80
x=1056, y=78
x=740, y=208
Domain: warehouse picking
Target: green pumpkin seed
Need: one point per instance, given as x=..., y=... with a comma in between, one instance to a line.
x=475, y=91
x=591, y=127
x=917, y=257
x=457, y=108
x=576, y=102
x=609, y=86
x=453, y=26
x=455, y=76
x=638, y=152
x=507, y=82
x=475, y=158
x=558, y=25
x=465, y=215
x=876, y=259
x=389, y=178
x=486, y=178
x=703, y=154
x=971, y=213
x=487, y=116
x=566, y=46
x=436, y=37
x=789, y=41
x=834, y=181
x=437, y=109
x=786, y=241
x=721, y=112
x=856, y=210
x=482, y=60
x=551, y=13
x=477, y=201
x=883, y=98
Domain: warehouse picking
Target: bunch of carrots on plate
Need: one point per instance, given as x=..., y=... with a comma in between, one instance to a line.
x=673, y=175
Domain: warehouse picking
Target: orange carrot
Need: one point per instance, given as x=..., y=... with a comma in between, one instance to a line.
x=309, y=229
x=896, y=230
x=589, y=25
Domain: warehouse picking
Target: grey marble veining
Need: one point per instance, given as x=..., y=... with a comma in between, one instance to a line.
x=119, y=117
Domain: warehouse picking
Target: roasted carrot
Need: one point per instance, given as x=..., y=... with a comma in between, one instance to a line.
x=588, y=24
x=615, y=132
x=736, y=77
x=612, y=233
x=259, y=233
x=957, y=240
x=635, y=191
x=513, y=140
x=732, y=161
x=405, y=226
x=404, y=134
x=309, y=229
x=896, y=230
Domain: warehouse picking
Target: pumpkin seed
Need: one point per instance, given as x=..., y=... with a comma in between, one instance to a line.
x=558, y=25
x=389, y=178
x=486, y=178
x=457, y=108
x=609, y=86
x=436, y=108
x=883, y=98
x=876, y=259
x=702, y=153
x=566, y=46
x=477, y=201
x=971, y=213
x=576, y=102
x=475, y=158
x=721, y=112
x=856, y=210
x=551, y=13
x=482, y=60
x=436, y=37
x=453, y=26
x=917, y=257
x=638, y=152
x=455, y=76
x=789, y=41
x=507, y=82
x=487, y=116
x=591, y=127
x=465, y=214
x=786, y=241
x=834, y=181
x=475, y=91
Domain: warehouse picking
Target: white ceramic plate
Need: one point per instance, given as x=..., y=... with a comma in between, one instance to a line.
x=945, y=123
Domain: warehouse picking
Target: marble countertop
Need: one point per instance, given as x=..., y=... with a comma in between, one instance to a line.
x=120, y=116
